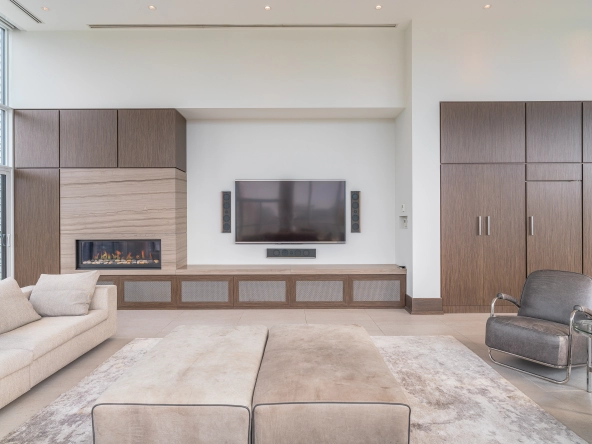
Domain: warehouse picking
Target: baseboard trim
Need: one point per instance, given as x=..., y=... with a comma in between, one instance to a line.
x=423, y=306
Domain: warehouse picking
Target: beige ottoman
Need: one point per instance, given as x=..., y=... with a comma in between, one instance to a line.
x=195, y=386
x=326, y=384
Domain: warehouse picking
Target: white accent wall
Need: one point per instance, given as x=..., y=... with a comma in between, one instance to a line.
x=361, y=152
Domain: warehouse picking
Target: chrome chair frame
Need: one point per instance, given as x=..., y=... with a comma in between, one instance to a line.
x=577, y=309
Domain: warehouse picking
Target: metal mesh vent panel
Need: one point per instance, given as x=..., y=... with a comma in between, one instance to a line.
x=319, y=291
x=147, y=291
x=105, y=283
x=262, y=291
x=377, y=291
x=204, y=291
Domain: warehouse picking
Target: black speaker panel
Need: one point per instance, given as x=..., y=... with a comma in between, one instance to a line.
x=292, y=253
x=226, y=212
x=356, y=212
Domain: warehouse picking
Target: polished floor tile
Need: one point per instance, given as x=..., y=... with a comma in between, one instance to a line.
x=569, y=403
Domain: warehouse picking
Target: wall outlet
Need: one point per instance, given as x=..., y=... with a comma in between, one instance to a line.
x=402, y=208
x=403, y=222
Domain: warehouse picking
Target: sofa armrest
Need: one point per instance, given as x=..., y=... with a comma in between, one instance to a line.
x=104, y=298
x=27, y=291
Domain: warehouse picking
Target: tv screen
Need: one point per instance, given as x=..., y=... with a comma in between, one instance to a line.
x=290, y=211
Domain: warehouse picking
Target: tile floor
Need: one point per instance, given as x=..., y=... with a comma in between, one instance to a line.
x=570, y=404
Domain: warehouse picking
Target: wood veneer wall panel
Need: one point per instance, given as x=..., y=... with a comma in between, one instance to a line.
x=151, y=138
x=37, y=138
x=482, y=132
x=554, y=132
x=37, y=224
x=557, y=240
x=88, y=138
x=587, y=122
x=553, y=171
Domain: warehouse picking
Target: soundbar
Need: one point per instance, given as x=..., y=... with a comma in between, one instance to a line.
x=292, y=253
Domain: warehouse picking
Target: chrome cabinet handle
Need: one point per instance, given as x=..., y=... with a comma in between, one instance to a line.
x=531, y=220
x=479, y=222
x=488, y=226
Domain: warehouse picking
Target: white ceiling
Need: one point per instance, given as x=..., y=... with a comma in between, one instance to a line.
x=77, y=14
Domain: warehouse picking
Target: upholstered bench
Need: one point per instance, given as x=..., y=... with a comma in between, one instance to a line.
x=195, y=386
x=326, y=384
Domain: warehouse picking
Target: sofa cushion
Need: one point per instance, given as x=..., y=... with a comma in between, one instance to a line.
x=532, y=338
x=12, y=360
x=64, y=294
x=16, y=309
x=48, y=333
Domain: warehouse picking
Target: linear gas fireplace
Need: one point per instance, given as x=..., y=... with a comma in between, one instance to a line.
x=117, y=254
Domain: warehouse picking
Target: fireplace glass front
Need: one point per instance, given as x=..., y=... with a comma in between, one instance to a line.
x=118, y=254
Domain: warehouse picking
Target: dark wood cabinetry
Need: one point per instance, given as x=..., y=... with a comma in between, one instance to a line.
x=37, y=138
x=587, y=121
x=88, y=138
x=151, y=138
x=37, y=224
x=587, y=213
x=554, y=132
x=554, y=227
x=482, y=132
x=482, y=230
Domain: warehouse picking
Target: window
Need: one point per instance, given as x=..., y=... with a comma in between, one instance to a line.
x=5, y=159
x=3, y=112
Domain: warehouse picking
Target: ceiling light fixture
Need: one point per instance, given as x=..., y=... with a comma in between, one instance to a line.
x=152, y=8
x=378, y=7
x=268, y=8
x=45, y=8
x=486, y=6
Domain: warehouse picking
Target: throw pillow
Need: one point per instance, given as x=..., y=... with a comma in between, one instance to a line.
x=64, y=294
x=16, y=309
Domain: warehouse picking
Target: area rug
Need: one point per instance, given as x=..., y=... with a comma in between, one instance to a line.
x=455, y=397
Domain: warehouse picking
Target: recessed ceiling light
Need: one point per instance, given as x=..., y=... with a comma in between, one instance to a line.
x=152, y=8
x=45, y=8
x=268, y=8
x=486, y=6
x=378, y=7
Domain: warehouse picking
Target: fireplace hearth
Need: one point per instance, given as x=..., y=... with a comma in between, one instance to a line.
x=118, y=254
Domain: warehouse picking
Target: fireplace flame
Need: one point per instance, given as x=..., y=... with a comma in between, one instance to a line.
x=142, y=254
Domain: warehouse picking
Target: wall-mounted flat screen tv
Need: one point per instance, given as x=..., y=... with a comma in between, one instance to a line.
x=290, y=211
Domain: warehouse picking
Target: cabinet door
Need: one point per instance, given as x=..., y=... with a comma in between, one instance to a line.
x=36, y=224
x=587, y=131
x=88, y=138
x=504, y=244
x=587, y=208
x=461, y=241
x=554, y=226
x=482, y=132
x=554, y=132
x=151, y=138
x=36, y=138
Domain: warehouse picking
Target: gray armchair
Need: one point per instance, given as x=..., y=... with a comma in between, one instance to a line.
x=543, y=330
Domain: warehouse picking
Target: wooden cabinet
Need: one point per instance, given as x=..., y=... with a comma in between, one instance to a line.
x=37, y=224
x=88, y=138
x=482, y=132
x=37, y=138
x=587, y=121
x=587, y=212
x=483, y=245
x=151, y=138
x=554, y=226
x=554, y=132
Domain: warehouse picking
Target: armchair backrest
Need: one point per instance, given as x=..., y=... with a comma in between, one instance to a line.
x=551, y=295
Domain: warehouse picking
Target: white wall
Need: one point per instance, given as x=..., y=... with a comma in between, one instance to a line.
x=208, y=68
x=360, y=151
x=478, y=61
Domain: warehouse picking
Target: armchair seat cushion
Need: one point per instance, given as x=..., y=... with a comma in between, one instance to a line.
x=532, y=338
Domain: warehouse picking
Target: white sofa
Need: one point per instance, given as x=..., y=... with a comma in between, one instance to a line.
x=33, y=352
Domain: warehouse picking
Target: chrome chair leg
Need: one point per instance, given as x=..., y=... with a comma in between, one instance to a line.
x=554, y=381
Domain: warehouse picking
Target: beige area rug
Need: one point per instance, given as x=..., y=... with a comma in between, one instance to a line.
x=455, y=397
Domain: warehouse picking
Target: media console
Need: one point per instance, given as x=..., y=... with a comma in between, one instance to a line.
x=264, y=286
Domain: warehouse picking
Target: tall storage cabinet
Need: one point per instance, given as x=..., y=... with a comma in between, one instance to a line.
x=515, y=197
x=482, y=230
